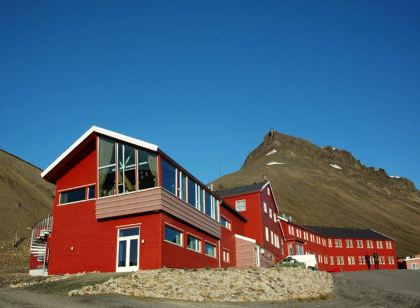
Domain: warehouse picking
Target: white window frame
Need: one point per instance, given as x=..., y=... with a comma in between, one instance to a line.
x=244, y=205
x=267, y=236
x=128, y=239
x=265, y=207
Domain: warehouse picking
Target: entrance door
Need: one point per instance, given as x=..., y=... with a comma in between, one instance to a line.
x=128, y=249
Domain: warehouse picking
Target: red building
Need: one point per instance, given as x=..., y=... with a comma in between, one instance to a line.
x=339, y=249
x=122, y=204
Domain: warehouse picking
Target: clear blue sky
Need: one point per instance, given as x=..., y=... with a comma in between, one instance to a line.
x=209, y=78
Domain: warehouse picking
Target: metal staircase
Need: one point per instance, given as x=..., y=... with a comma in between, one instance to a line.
x=39, y=241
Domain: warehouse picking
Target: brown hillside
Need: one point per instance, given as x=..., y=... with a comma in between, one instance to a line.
x=315, y=193
x=21, y=181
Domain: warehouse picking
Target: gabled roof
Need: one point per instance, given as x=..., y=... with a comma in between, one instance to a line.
x=242, y=190
x=348, y=233
x=104, y=132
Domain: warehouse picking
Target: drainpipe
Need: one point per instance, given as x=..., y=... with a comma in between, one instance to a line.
x=220, y=262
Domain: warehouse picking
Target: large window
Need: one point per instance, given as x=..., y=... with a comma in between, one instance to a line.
x=240, y=205
x=126, y=168
x=193, y=243
x=106, y=164
x=168, y=176
x=73, y=195
x=173, y=235
x=182, y=186
x=191, y=193
x=148, y=174
x=210, y=250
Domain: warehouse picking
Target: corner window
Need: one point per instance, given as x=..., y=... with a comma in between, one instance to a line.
x=193, y=243
x=173, y=235
x=147, y=169
x=240, y=205
x=210, y=250
x=168, y=176
x=106, y=165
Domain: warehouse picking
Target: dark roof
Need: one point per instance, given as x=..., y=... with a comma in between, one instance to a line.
x=233, y=211
x=241, y=190
x=347, y=233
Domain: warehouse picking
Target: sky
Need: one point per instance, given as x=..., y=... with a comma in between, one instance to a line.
x=206, y=80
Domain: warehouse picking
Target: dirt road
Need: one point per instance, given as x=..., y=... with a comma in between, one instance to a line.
x=359, y=289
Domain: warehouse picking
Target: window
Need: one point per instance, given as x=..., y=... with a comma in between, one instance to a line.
x=268, y=191
x=240, y=205
x=359, y=243
x=391, y=260
x=350, y=260
x=381, y=260
x=362, y=260
x=329, y=242
x=388, y=245
x=338, y=244
x=208, y=210
x=226, y=256
x=173, y=235
x=349, y=244
x=181, y=190
x=379, y=244
x=210, y=250
x=193, y=243
x=325, y=259
x=324, y=242
x=200, y=198
x=106, y=167
x=272, y=237
x=168, y=176
x=292, y=230
x=225, y=223
x=275, y=218
x=91, y=192
x=191, y=193
x=270, y=212
x=265, y=207
x=299, y=249
x=312, y=238
x=369, y=244
x=414, y=266
x=340, y=260
x=266, y=234
x=319, y=259
x=147, y=169
x=126, y=169
x=128, y=232
x=318, y=240
x=332, y=260
x=73, y=195
x=305, y=235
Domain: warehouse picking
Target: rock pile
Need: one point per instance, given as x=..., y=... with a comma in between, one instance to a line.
x=233, y=285
x=46, y=280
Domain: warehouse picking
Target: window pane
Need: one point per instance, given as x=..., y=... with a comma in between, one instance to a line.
x=147, y=169
x=168, y=177
x=210, y=250
x=129, y=232
x=91, y=192
x=126, y=169
x=106, y=183
x=183, y=187
x=73, y=195
x=173, y=235
x=191, y=193
x=223, y=222
x=106, y=152
x=133, y=252
x=122, y=253
x=208, y=204
x=193, y=243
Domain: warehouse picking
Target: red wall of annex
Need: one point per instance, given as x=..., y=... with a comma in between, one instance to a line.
x=175, y=256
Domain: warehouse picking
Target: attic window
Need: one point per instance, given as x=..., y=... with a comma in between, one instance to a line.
x=240, y=205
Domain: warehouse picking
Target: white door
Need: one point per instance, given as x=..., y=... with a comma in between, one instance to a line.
x=128, y=249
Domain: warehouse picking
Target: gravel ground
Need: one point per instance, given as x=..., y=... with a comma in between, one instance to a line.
x=359, y=289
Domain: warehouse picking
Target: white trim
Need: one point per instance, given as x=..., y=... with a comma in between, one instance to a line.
x=105, y=132
x=241, y=237
x=128, y=239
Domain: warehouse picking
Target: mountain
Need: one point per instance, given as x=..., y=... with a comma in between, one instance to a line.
x=327, y=186
x=21, y=182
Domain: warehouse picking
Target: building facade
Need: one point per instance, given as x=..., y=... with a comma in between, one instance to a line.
x=340, y=249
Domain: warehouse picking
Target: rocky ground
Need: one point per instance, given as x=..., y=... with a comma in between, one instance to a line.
x=218, y=285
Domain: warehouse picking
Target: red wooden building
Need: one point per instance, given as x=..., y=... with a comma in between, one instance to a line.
x=339, y=249
x=122, y=204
